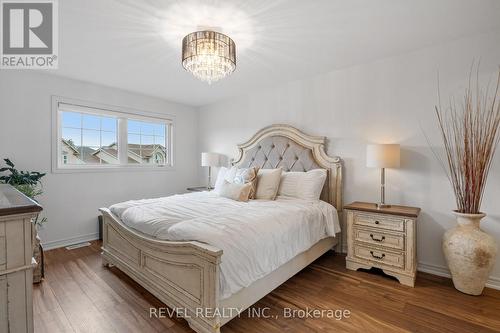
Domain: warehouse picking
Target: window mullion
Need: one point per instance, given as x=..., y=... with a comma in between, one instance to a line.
x=168, y=144
x=122, y=141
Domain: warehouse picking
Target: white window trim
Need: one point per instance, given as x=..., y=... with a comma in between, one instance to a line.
x=104, y=109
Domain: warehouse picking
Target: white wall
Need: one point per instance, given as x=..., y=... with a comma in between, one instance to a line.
x=387, y=101
x=71, y=200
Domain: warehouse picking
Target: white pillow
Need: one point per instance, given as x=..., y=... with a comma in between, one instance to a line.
x=268, y=182
x=303, y=185
x=221, y=175
x=234, y=191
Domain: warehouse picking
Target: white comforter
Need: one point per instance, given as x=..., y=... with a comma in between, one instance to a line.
x=256, y=237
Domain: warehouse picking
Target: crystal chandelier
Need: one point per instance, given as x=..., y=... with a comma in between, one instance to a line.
x=208, y=55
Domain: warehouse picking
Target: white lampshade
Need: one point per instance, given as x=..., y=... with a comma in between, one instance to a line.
x=383, y=156
x=210, y=159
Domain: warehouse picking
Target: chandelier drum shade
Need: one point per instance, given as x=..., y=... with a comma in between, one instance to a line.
x=208, y=55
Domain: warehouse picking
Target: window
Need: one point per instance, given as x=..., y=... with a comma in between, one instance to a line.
x=89, y=138
x=146, y=142
x=103, y=137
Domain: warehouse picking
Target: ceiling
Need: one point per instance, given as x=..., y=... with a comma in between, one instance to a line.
x=135, y=45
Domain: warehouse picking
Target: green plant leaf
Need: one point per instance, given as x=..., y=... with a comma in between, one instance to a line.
x=9, y=162
x=26, y=181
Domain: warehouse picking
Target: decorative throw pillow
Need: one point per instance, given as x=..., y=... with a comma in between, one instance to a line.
x=234, y=191
x=303, y=185
x=247, y=175
x=268, y=182
x=238, y=176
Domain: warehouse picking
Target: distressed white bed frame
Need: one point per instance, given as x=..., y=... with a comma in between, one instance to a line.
x=185, y=275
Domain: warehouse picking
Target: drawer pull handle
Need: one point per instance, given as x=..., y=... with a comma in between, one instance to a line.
x=377, y=239
x=377, y=257
x=377, y=222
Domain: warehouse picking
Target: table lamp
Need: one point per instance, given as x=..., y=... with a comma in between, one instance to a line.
x=210, y=160
x=382, y=156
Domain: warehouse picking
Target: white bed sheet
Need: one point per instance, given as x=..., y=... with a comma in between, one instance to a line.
x=256, y=237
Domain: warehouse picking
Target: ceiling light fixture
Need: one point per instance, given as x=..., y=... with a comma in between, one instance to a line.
x=208, y=55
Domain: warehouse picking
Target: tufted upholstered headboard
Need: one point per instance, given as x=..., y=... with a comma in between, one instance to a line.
x=287, y=147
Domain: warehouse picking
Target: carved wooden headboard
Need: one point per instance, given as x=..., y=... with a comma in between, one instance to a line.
x=287, y=147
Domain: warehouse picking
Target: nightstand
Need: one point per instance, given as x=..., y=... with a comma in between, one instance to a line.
x=384, y=238
x=198, y=189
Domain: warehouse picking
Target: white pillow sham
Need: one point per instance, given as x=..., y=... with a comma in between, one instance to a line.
x=268, y=182
x=303, y=185
x=221, y=176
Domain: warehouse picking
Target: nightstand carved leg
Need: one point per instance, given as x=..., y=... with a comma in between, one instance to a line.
x=403, y=279
x=355, y=265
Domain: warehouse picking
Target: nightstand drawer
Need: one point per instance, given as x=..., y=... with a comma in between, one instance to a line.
x=379, y=221
x=380, y=238
x=384, y=257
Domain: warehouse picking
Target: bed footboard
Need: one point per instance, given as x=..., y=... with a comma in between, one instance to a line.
x=183, y=275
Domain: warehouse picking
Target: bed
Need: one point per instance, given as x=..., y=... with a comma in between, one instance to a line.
x=187, y=275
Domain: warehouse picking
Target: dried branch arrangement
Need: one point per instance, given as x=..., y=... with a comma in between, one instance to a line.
x=471, y=134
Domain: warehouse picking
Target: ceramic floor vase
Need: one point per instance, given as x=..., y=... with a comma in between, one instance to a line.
x=470, y=253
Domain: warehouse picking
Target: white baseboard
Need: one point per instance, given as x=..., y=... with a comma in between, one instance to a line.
x=69, y=241
x=493, y=282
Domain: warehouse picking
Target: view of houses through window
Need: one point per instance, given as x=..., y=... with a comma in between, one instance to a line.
x=86, y=138
x=92, y=139
x=146, y=142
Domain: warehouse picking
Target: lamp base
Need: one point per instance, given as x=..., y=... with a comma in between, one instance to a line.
x=382, y=205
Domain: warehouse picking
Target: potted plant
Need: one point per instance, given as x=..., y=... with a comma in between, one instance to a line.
x=30, y=185
x=470, y=133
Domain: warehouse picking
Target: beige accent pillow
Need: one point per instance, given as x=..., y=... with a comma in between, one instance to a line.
x=244, y=176
x=234, y=191
x=237, y=176
x=268, y=183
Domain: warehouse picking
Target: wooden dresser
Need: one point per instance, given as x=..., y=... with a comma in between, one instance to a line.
x=16, y=262
x=384, y=238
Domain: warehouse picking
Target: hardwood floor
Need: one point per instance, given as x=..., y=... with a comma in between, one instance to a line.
x=80, y=295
